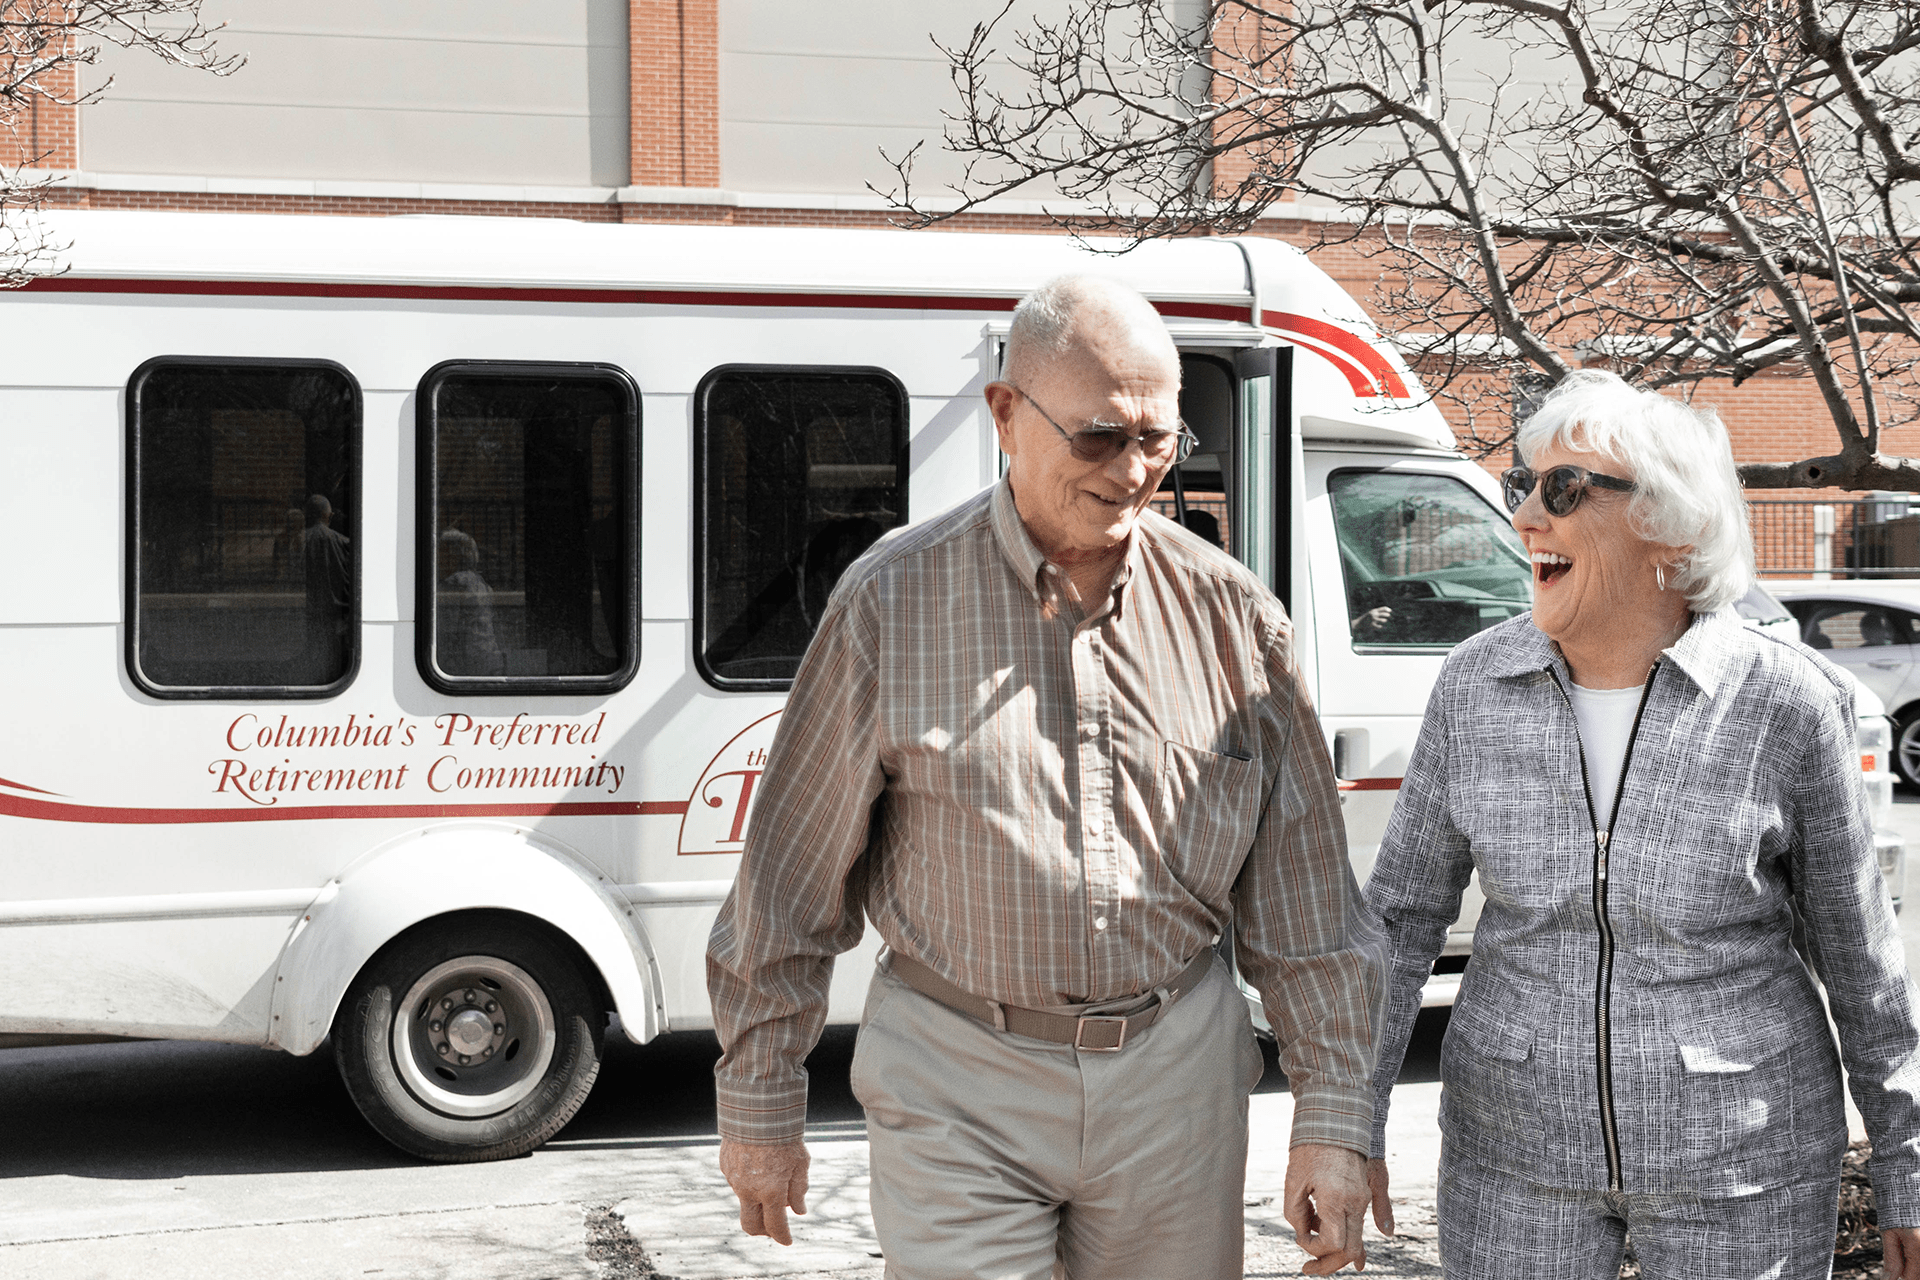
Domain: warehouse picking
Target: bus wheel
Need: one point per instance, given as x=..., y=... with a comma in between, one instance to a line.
x=469, y=1040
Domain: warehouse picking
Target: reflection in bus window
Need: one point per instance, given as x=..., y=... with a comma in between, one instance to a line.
x=801, y=471
x=528, y=541
x=1428, y=562
x=245, y=546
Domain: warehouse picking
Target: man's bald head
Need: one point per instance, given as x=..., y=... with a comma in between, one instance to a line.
x=1085, y=352
x=1081, y=311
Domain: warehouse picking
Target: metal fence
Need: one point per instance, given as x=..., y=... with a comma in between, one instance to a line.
x=1875, y=537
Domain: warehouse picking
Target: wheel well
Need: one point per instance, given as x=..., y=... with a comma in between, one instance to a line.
x=483, y=917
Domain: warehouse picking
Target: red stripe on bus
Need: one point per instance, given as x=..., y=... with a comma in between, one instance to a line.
x=50, y=811
x=1352, y=344
x=1371, y=784
x=630, y=297
x=1358, y=380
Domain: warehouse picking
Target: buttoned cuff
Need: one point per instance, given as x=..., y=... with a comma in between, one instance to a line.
x=761, y=1114
x=1330, y=1116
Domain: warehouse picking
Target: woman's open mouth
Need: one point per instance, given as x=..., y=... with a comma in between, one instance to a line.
x=1547, y=567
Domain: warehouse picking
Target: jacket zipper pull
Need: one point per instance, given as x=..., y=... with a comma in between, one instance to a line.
x=1600, y=839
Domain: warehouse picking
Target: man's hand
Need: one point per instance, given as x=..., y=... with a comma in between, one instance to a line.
x=1326, y=1201
x=1900, y=1246
x=769, y=1180
x=1382, y=1202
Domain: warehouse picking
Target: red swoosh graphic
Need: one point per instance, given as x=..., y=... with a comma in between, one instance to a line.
x=49, y=811
x=1358, y=380
x=1368, y=356
x=21, y=786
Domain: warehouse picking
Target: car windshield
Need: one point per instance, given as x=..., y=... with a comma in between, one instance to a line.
x=1427, y=560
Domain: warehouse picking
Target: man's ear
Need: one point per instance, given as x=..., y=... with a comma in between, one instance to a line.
x=1001, y=397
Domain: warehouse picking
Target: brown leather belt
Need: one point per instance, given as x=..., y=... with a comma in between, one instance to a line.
x=1093, y=1032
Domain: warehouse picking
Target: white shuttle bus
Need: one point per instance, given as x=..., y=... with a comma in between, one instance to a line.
x=397, y=611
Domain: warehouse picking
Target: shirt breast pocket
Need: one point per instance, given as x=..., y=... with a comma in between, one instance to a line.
x=1210, y=810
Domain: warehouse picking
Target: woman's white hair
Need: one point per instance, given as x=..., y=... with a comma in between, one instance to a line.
x=1686, y=491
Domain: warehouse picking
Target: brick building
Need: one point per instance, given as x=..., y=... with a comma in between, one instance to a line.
x=741, y=112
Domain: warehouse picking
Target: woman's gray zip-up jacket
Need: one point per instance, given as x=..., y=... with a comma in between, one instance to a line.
x=1742, y=799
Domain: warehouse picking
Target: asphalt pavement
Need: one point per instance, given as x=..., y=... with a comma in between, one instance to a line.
x=170, y=1161
x=174, y=1161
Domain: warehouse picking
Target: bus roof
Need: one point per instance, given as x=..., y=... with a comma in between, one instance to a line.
x=562, y=253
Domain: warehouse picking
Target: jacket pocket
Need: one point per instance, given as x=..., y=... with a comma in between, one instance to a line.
x=1759, y=1095
x=1490, y=1096
x=1212, y=808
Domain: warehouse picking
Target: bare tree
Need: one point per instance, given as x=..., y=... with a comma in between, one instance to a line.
x=43, y=44
x=1683, y=190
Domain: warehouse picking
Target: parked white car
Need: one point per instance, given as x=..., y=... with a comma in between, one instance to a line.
x=1872, y=630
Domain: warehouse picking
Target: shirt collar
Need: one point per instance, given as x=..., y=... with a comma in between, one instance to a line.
x=1705, y=652
x=1016, y=544
x=1031, y=566
x=1701, y=652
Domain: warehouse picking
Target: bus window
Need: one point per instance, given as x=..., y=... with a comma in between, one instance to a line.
x=800, y=470
x=528, y=550
x=243, y=541
x=1428, y=562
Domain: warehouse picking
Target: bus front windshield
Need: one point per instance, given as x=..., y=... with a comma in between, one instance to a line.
x=1427, y=561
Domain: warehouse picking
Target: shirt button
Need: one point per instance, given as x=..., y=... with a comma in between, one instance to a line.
x=1090, y=732
x=1099, y=922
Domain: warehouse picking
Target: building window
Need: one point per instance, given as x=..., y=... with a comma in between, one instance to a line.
x=243, y=528
x=799, y=471
x=528, y=542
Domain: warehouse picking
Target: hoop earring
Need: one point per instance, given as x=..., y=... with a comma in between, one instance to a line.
x=1660, y=575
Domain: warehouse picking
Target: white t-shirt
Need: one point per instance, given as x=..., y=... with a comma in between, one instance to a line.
x=1605, y=717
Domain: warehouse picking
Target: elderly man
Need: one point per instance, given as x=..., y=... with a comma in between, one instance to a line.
x=1054, y=747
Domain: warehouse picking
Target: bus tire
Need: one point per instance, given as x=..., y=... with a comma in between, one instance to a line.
x=469, y=1040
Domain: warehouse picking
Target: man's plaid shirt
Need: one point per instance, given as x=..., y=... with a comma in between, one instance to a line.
x=1047, y=808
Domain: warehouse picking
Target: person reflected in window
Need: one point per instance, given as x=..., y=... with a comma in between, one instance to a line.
x=329, y=591
x=464, y=639
x=1877, y=630
x=288, y=546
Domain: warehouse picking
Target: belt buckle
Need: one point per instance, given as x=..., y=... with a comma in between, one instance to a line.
x=1080, y=1033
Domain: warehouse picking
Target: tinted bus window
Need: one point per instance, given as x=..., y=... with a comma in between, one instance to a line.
x=528, y=545
x=243, y=557
x=1428, y=561
x=800, y=470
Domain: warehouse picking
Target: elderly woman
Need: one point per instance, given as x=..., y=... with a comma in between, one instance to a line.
x=1649, y=791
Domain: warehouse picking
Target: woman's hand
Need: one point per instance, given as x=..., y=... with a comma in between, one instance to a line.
x=1901, y=1248
x=1383, y=1203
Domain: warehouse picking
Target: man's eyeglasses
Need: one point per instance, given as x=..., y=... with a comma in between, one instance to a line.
x=1103, y=442
x=1561, y=488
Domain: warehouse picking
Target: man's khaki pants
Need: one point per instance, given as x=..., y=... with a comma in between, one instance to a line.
x=995, y=1155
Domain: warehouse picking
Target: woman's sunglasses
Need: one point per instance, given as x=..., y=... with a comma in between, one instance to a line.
x=1561, y=488
x=1099, y=442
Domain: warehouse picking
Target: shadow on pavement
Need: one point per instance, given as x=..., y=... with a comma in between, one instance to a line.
x=156, y=1109
x=149, y=1110
x=152, y=1110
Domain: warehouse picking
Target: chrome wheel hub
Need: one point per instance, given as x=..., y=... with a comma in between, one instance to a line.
x=473, y=1036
